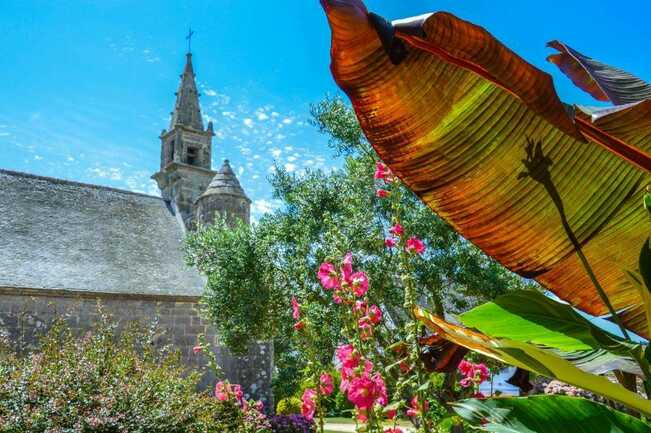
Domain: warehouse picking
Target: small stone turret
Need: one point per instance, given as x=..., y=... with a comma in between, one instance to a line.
x=224, y=196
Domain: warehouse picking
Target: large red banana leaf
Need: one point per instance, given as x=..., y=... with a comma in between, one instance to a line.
x=482, y=137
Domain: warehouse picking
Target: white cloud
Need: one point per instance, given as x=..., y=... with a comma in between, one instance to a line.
x=248, y=122
x=38, y=158
x=290, y=167
x=112, y=173
x=4, y=134
x=275, y=152
x=209, y=92
x=262, y=206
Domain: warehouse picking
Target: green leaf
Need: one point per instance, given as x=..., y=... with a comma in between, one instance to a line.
x=647, y=202
x=531, y=357
x=547, y=414
x=531, y=317
x=645, y=264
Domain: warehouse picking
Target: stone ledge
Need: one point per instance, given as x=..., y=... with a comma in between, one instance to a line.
x=85, y=294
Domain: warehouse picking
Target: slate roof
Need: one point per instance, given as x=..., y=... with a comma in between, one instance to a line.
x=225, y=182
x=57, y=234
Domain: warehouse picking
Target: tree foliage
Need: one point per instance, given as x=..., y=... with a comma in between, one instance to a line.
x=253, y=271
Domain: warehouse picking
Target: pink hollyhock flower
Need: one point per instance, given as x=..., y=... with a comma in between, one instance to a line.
x=415, y=245
x=337, y=299
x=382, y=172
x=466, y=382
x=348, y=356
x=374, y=314
x=360, y=307
x=327, y=385
x=382, y=193
x=393, y=430
x=221, y=391
x=481, y=372
x=237, y=391
x=359, y=281
x=466, y=368
x=391, y=413
x=328, y=276
x=361, y=392
x=397, y=230
x=196, y=349
x=296, y=312
x=381, y=396
x=259, y=406
x=309, y=404
x=347, y=267
x=362, y=415
x=390, y=242
x=365, y=328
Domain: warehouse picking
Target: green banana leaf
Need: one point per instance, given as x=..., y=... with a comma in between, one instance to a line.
x=533, y=358
x=547, y=414
x=532, y=317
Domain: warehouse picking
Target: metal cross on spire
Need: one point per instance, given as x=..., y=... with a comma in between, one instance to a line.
x=189, y=38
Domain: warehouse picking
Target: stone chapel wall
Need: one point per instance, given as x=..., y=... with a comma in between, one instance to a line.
x=25, y=314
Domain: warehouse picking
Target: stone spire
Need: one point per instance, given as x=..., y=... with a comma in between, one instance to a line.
x=187, y=111
x=224, y=196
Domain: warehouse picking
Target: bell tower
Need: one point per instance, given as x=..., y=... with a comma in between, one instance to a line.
x=186, y=149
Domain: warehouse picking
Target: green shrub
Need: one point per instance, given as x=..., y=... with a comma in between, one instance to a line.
x=288, y=406
x=107, y=381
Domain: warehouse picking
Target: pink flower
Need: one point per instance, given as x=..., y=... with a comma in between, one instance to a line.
x=375, y=314
x=359, y=281
x=361, y=392
x=362, y=415
x=299, y=325
x=466, y=382
x=360, y=307
x=221, y=391
x=479, y=395
x=259, y=406
x=382, y=172
x=397, y=230
x=309, y=404
x=347, y=268
x=382, y=193
x=393, y=430
x=328, y=276
x=390, y=242
x=466, y=368
x=365, y=328
x=337, y=299
x=296, y=312
x=381, y=396
x=326, y=386
x=390, y=413
x=348, y=356
x=196, y=349
x=481, y=372
x=415, y=245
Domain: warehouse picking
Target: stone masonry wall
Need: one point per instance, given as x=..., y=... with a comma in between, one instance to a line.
x=26, y=313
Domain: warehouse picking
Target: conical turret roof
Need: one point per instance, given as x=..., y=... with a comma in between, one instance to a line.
x=225, y=182
x=186, y=110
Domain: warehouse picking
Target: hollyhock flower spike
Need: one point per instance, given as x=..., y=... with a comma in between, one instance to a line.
x=361, y=392
x=326, y=384
x=296, y=312
x=382, y=172
x=415, y=245
x=328, y=276
x=397, y=230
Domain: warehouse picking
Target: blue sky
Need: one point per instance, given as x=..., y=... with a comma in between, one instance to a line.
x=87, y=86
